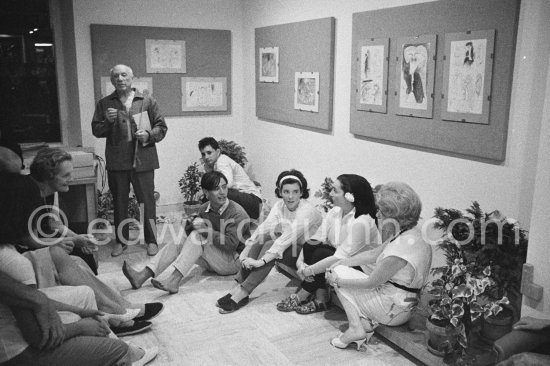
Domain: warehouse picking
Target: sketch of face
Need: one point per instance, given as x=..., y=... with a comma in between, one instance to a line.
x=469, y=57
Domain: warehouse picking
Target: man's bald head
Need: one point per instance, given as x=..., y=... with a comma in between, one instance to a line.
x=10, y=162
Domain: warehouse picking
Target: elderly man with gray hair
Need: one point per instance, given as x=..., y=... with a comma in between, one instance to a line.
x=132, y=125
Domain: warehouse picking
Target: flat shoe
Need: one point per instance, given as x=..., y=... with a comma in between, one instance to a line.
x=231, y=306
x=118, y=250
x=222, y=300
x=138, y=327
x=152, y=249
x=311, y=307
x=152, y=309
x=289, y=304
x=150, y=354
x=127, y=316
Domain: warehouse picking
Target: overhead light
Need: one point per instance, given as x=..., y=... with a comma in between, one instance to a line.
x=43, y=44
x=35, y=29
x=31, y=32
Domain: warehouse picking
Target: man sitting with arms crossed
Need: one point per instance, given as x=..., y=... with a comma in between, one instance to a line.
x=241, y=188
x=215, y=239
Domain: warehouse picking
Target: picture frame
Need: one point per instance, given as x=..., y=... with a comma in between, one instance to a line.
x=165, y=56
x=143, y=85
x=269, y=64
x=372, y=75
x=203, y=94
x=467, y=76
x=415, y=70
x=306, y=91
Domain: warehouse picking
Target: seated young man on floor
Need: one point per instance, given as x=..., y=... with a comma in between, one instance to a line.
x=241, y=188
x=20, y=197
x=214, y=240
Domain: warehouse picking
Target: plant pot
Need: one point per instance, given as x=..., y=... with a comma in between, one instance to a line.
x=441, y=338
x=191, y=207
x=495, y=327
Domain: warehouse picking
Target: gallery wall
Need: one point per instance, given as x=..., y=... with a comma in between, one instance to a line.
x=440, y=180
x=179, y=148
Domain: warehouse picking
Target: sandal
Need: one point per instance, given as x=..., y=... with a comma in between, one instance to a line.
x=290, y=303
x=314, y=306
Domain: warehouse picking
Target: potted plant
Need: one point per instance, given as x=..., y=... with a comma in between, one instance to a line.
x=234, y=151
x=190, y=187
x=496, y=241
x=324, y=194
x=484, y=254
x=106, y=206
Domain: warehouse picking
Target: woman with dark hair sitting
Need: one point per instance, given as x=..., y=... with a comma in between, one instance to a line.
x=349, y=228
x=402, y=264
x=291, y=221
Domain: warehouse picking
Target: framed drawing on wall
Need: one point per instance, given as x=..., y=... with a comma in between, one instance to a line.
x=269, y=65
x=415, y=75
x=203, y=94
x=306, y=91
x=143, y=85
x=467, y=76
x=372, y=75
x=165, y=56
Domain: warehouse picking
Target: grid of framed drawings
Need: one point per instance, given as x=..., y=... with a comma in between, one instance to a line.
x=435, y=76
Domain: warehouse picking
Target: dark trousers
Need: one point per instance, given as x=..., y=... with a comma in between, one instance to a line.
x=248, y=201
x=314, y=254
x=144, y=188
x=251, y=278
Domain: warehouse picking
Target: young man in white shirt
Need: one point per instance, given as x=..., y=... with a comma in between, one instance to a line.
x=241, y=188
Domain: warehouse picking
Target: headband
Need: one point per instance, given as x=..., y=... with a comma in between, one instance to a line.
x=286, y=177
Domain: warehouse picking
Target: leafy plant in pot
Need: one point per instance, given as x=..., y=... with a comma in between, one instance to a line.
x=234, y=151
x=491, y=239
x=484, y=254
x=324, y=194
x=190, y=187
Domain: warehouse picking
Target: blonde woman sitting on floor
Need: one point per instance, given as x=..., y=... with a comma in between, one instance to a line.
x=402, y=265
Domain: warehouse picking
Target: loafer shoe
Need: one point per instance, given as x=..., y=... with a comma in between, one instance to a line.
x=118, y=249
x=152, y=249
x=152, y=309
x=138, y=327
x=231, y=306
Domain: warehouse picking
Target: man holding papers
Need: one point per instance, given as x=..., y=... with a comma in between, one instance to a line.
x=132, y=124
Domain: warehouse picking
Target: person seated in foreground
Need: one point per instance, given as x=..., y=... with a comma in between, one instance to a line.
x=348, y=229
x=51, y=170
x=540, y=328
x=78, y=312
x=38, y=337
x=401, y=267
x=214, y=240
x=20, y=197
x=241, y=188
x=280, y=237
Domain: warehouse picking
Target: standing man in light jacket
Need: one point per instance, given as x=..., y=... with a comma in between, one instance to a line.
x=132, y=124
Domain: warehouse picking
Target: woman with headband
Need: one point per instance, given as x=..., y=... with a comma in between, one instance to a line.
x=290, y=222
x=347, y=229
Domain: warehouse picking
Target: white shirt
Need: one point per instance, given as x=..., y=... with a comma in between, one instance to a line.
x=236, y=176
x=349, y=235
x=291, y=227
x=411, y=247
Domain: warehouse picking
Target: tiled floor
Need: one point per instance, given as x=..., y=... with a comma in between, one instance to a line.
x=190, y=331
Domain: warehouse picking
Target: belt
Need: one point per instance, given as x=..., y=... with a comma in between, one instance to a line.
x=408, y=289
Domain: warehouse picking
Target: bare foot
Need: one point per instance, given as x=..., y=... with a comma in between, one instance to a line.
x=136, y=278
x=163, y=287
x=171, y=284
